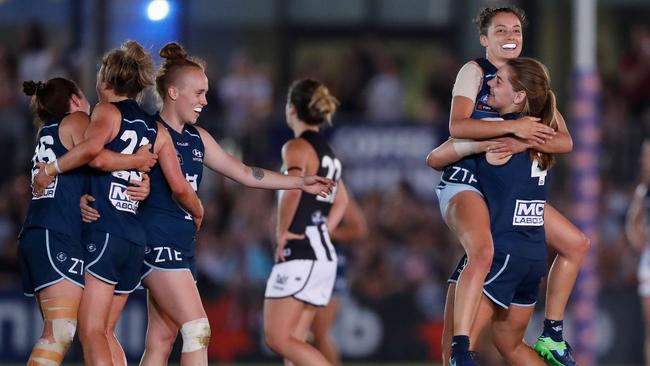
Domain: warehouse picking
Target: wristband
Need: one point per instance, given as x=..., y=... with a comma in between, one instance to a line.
x=464, y=147
x=57, y=167
x=45, y=170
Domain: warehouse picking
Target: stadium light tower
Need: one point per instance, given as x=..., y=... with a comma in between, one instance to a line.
x=158, y=10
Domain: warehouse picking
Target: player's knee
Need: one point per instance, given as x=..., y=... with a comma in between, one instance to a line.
x=196, y=335
x=60, y=315
x=160, y=342
x=583, y=246
x=481, y=258
x=275, y=341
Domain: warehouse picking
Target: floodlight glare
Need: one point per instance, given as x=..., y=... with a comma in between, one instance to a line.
x=158, y=10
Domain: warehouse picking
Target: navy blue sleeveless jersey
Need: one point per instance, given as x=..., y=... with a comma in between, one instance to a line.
x=311, y=215
x=118, y=212
x=162, y=217
x=463, y=171
x=515, y=193
x=57, y=209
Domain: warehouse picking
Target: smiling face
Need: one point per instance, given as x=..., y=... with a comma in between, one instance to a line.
x=189, y=94
x=504, y=38
x=503, y=97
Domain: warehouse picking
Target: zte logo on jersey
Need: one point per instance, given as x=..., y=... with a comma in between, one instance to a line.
x=120, y=200
x=529, y=213
x=462, y=175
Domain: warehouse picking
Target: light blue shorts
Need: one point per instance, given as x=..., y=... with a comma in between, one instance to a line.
x=446, y=191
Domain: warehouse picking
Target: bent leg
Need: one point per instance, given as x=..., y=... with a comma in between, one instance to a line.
x=58, y=304
x=281, y=321
x=572, y=246
x=508, y=328
x=321, y=326
x=177, y=297
x=302, y=329
x=161, y=334
x=468, y=217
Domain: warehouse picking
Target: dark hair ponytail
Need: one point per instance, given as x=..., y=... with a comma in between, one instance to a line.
x=50, y=99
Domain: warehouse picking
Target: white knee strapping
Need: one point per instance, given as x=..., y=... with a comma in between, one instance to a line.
x=60, y=315
x=196, y=334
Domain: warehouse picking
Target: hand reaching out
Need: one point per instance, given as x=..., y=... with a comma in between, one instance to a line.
x=317, y=185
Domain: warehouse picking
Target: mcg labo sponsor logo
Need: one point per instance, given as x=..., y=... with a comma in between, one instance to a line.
x=120, y=200
x=528, y=213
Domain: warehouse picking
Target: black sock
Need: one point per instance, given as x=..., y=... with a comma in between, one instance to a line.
x=459, y=345
x=553, y=329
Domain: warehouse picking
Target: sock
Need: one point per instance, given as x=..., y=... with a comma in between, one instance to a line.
x=459, y=345
x=553, y=329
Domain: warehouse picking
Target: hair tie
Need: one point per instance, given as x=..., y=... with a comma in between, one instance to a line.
x=40, y=86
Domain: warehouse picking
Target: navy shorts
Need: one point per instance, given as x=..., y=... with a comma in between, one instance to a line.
x=341, y=282
x=512, y=280
x=114, y=260
x=48, y=257
x=166, y=258
x=459, y=269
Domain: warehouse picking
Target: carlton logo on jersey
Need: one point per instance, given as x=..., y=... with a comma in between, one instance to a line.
x=529, y=213
x=482, y=105
x=120, y=200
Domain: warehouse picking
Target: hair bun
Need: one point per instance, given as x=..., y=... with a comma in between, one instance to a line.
x=323, y=104
x=31, y=87
x=173, y=51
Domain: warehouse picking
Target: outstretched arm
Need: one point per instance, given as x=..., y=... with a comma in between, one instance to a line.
x=220, y=161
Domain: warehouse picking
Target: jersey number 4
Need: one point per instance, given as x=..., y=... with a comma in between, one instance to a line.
x=536, y=172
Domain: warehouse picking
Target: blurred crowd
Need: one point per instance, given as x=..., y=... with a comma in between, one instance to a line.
x=409, y=250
